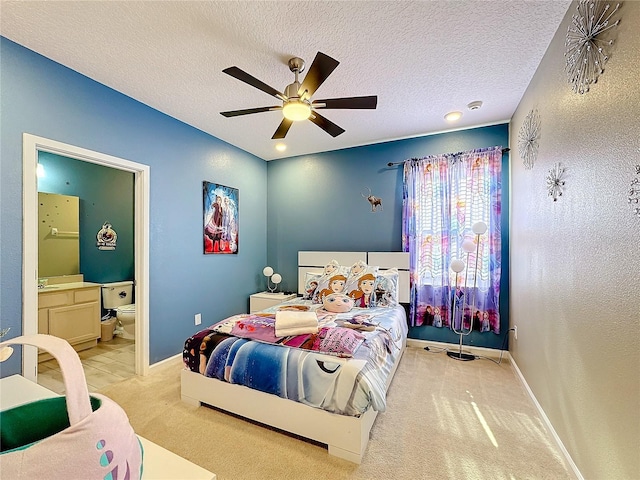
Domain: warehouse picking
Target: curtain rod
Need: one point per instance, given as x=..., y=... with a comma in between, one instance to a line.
x=391, y=164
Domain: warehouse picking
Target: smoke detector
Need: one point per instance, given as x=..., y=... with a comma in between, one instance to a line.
x=474, y=105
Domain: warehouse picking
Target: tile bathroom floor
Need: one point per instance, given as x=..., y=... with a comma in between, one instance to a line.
x=107, y=363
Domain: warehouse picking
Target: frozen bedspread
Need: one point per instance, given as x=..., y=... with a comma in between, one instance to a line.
x=334, y=383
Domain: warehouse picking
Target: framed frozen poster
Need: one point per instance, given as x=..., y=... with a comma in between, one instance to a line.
x=220, y=212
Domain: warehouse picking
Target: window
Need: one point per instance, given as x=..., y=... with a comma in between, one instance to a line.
x=444, y=196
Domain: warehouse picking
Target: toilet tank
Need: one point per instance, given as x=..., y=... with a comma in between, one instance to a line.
x=117, y=294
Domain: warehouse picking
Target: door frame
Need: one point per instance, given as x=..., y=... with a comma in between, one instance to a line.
x=31, y=145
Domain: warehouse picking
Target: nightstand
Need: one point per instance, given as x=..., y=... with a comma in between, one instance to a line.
x=262, y=300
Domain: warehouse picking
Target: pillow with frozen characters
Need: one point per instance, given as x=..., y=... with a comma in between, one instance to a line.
x=333, y=280
x=386, y=289
x=360, y=283
x=337, y=303
x=311, y=281
x=356, y=271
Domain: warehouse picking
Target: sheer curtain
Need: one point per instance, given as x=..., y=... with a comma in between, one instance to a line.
x=443, y=196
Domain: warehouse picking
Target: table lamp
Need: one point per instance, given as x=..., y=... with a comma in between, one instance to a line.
x=276, y=278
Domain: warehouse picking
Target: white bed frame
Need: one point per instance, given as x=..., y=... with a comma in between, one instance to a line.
x=347, y=437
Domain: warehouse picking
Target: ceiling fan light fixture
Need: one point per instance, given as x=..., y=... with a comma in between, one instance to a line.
x=297, y=103
x=296, y=110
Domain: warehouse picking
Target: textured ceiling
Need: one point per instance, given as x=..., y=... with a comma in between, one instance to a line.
x=422, y=58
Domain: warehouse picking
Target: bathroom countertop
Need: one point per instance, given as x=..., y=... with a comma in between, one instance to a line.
x=68, y=286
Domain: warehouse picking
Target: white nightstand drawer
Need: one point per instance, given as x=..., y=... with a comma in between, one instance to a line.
x=262, y=300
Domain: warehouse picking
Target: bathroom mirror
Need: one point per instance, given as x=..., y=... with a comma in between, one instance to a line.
x=58, y=235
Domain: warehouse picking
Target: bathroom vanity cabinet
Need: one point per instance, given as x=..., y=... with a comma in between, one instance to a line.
x=70, y=311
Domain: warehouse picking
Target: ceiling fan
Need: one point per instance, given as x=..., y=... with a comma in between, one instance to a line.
x=296, y=99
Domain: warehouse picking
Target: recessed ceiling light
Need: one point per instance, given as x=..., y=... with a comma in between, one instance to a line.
x=453, y=116
x=474, y=105
x=281, y=147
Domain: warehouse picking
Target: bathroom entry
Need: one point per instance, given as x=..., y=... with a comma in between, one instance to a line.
x=35, y=153
x=105, y=196
x=76, y=199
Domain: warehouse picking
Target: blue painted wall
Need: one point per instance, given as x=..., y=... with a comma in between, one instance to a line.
x=106, y=194
x=43, y=98
x=315, y=203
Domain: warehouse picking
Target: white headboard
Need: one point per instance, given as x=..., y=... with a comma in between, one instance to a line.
x=314, y=262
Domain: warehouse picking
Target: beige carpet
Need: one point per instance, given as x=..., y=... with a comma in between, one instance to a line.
x=445, y=419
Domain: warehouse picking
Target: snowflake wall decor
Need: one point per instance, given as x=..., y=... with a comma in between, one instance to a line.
x=634, y=192
x=555, y=182
x=528, y=137
x=585, y=53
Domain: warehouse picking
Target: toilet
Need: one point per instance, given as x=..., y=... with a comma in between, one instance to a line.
x=118, y=298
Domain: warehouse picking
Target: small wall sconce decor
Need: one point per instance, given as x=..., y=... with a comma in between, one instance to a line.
x=528, y=137
x=555, y=182
x=373, y=200
x=276, y=278
x=634, y=192
x=585, y=46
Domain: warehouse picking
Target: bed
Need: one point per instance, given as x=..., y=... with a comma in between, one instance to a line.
x=307, y=397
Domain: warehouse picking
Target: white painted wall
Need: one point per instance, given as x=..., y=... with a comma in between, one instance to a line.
x=575, y=263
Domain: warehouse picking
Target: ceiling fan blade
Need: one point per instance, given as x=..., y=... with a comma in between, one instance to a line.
x=320, y=69
x=253, y=81
x=283, y=128
x=369, y=102
x=237, y=113
x=325, y=124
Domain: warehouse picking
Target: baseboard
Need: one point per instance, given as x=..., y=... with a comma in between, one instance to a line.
x=454, y=347
x=546, y=420
x=162, y=362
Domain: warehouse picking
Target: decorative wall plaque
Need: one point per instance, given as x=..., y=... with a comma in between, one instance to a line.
x=106, y=238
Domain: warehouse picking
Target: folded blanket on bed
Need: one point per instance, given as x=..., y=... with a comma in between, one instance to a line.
x=295, y=323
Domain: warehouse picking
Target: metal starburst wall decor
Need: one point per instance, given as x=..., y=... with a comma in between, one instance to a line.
x=634, y=192
x=555, y=182
x=528, y=137
x=586, y=53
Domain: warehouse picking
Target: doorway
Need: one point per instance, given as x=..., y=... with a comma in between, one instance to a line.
x=32, y=145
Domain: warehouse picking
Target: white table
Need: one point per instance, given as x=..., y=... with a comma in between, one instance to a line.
x=159, y=463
